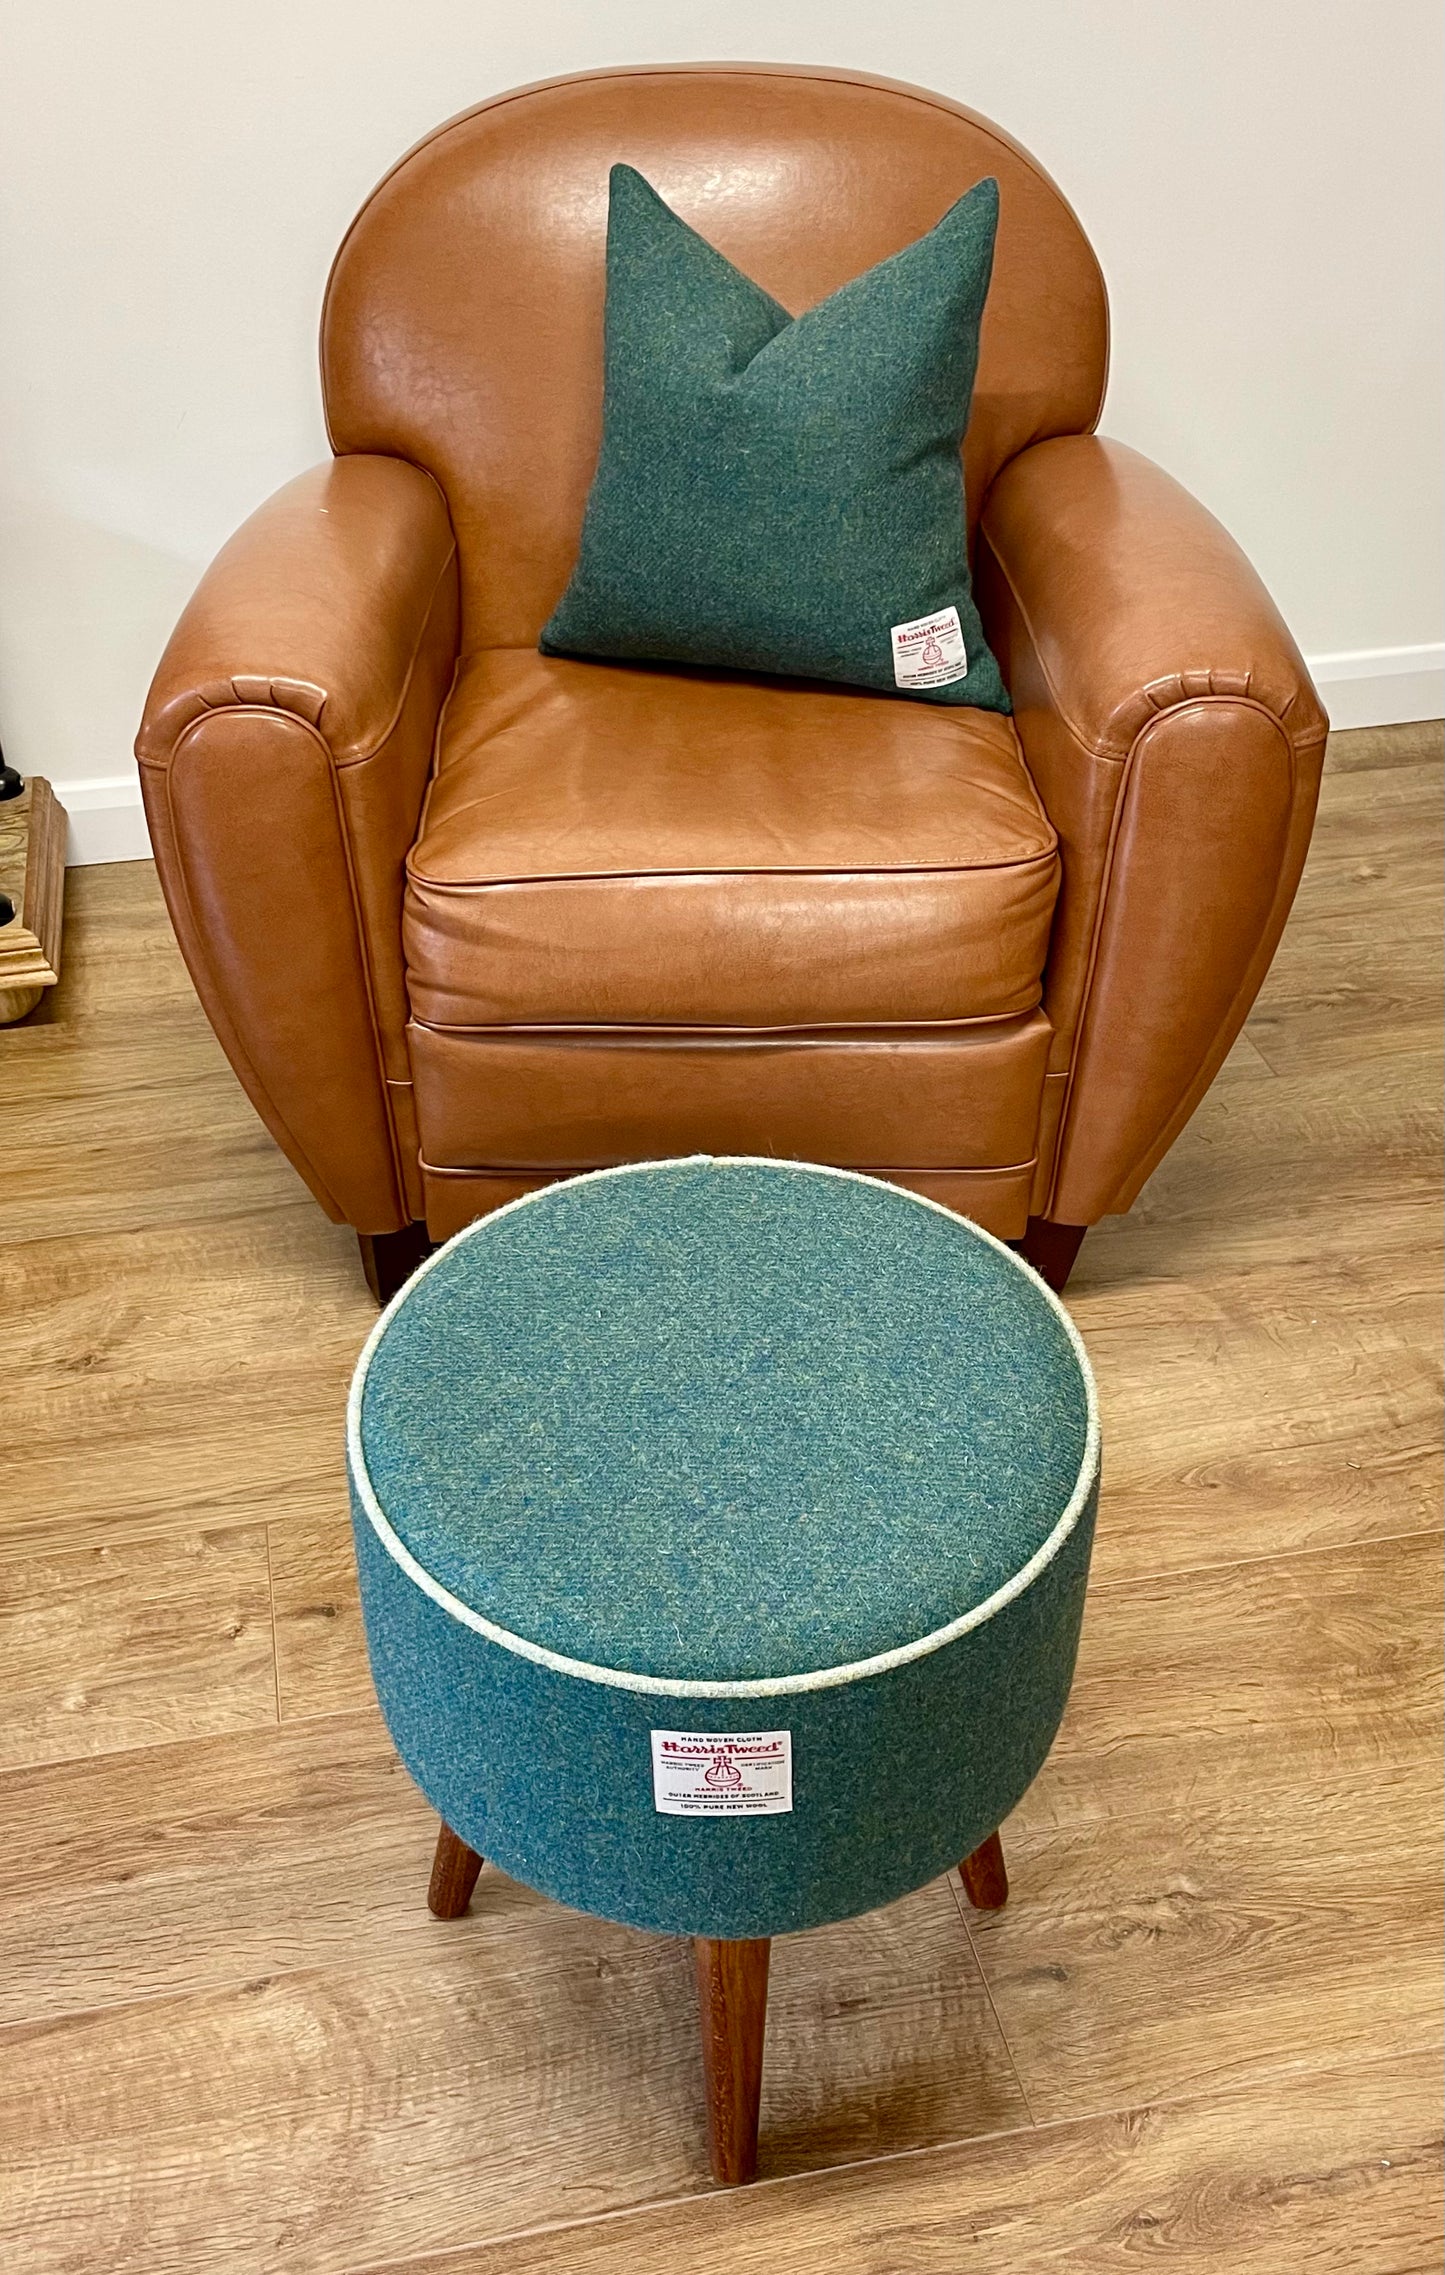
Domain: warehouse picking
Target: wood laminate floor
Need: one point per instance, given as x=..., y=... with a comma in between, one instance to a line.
x=1205, y=2033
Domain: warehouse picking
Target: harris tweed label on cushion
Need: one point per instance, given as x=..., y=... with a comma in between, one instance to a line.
x=785, y=494
x=930, y=651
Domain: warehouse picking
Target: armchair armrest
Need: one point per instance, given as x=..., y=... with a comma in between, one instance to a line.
x=1175, y=739
x=284, y=754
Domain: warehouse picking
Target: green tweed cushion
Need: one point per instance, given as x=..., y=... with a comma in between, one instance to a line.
x=711, y=1447
x=784, y=494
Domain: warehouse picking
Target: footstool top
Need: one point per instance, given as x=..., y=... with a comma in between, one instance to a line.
x=723, y=1424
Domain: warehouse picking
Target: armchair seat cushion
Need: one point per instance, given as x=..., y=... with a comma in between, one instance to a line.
x=622, y=845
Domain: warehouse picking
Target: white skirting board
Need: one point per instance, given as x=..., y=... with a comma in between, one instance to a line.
x=1381, y=687
x=1361, y=687
x=107, y=820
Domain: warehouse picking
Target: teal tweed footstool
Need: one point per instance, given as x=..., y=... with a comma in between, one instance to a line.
x=722, y=1528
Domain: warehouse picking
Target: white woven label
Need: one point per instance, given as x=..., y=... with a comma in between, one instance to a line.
x=929, y=652
x=741, y=1773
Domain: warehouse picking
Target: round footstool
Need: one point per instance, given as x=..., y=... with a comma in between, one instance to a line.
x=722, y=1528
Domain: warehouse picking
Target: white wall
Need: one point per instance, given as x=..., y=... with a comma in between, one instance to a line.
x=1261, y=179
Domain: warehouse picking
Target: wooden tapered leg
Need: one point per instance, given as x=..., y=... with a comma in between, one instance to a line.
x=732, y=1990
x=985, y=1882
x=389, y=1258
x=1051, y=1249
x=453, y=1876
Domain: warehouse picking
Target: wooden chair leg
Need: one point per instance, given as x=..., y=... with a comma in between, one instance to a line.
x=1051, y=1249
x=985, y=1881
x=389, y=1258
x=453, y=1876
x=732, y=1989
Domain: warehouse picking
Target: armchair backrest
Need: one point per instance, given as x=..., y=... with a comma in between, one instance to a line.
x=463, y=321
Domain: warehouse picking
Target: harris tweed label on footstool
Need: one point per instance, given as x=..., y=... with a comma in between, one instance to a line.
x=738, y=1773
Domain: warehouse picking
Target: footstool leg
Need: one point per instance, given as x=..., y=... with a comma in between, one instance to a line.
x=985, y=1882
x=453, y=1876
x=732, y=1989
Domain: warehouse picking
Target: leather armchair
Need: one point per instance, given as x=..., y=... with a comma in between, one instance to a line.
x=466, y=918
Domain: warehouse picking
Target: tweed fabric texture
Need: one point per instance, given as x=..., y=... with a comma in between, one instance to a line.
x=721, y=1446
x=799, y=1421
x=773, y=493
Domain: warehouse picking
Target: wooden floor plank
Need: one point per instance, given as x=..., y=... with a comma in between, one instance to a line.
x=135, y=1645
x=1271, y=1407
x=1283, y=1172
x=1358, y=973
x=1243, y=1063
x=1265, y=1325
x=195, y=1867
x=386, y=2084
x=1372, y=750
x=1374, y=875
x=1338, y=986
x=1336, y=2171
x=160, y=1157
x=1232, y=1854
x=179, y=1375
x=321, y=1665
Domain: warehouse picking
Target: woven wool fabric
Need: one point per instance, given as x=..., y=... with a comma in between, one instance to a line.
x=773, y=493
x=716, y=1446
x=808, y=1421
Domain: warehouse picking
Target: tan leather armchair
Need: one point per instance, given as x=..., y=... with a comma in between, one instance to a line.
x=467, y=918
